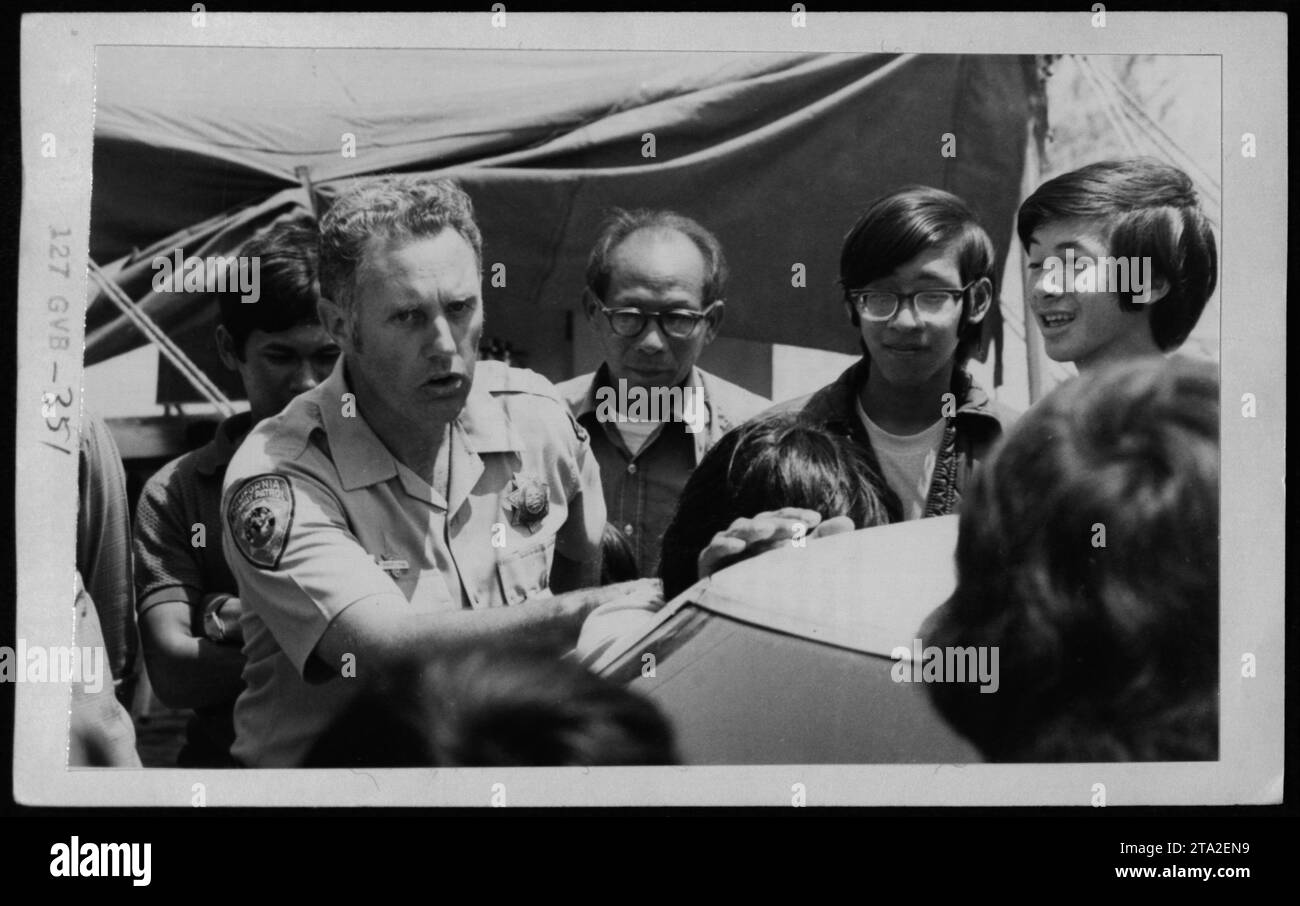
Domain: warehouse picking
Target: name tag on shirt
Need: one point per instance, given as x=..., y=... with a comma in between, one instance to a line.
x=394, y=567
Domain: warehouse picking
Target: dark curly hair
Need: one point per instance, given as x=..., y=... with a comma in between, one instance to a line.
x=392, y=206
x=1088, y=554
x=496, y=705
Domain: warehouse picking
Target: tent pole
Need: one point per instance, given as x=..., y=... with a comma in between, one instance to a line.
x=155, y=335
x=303, y=172
x=1034, y=352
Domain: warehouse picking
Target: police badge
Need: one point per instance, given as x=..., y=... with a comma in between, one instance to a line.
x=260, y=515
x=528, y=501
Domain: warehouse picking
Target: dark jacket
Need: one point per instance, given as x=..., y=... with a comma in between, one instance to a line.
x=972, y=433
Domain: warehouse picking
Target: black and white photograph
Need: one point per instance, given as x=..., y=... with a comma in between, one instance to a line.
x=788, y=408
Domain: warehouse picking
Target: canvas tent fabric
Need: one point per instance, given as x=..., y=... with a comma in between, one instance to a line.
x=200, y=148
x=786, y=658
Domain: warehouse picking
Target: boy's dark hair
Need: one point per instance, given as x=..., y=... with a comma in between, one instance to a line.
x=617, y=561
x=1108, y=643
x=621, y=224
x=497, y=706
x=287, y=258
x=536, y=709
x=897, y=227
x=771, y=462
x=1150, y=210
x=381, y=728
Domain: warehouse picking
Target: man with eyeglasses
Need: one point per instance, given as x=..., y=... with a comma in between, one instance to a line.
x=918, y=276
x=654, y=297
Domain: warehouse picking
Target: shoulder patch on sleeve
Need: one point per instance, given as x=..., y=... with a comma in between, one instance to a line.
x=260, y=515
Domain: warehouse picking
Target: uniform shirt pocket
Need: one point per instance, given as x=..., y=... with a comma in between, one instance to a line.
x=526, y=573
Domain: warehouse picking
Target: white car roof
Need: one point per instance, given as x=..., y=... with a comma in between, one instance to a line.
x=868, y=590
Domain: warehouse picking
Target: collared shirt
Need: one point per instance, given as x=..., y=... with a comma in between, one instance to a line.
x=641, y=489
x=328, y=517
x=170, y=553
x=179, y=554
x=973, y=432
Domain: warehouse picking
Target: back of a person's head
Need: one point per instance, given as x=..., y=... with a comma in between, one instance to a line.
x=381, y=728
x=617, y=561
x=504, y=706
x=287, y=258
x=496, y=706
x=1148, y=209
x=771, y=462
x=1088, y=555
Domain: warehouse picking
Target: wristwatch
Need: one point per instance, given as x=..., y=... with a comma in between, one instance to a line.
x=213, y=628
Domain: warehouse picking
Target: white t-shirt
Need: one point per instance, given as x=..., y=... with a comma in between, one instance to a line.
x=906, y=461
x=636, y=434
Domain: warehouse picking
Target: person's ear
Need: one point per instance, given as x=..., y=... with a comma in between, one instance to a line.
x=335, y=322
x=226, y=348
x=1158, y=290
x=713, y=320
x=590, y=305
x=981, y=299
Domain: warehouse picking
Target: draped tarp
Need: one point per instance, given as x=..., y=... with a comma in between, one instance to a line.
x=777, y=153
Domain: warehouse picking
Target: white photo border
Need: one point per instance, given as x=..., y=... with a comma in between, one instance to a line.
x=57, y=65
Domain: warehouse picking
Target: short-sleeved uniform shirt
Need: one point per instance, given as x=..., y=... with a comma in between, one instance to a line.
x=171, y=565
x=319, y=515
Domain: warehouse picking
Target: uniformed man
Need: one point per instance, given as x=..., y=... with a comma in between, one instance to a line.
x=654, y=297
x=417, y=500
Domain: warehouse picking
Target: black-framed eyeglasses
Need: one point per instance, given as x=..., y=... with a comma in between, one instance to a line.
x=678, y=323
x=876, y=305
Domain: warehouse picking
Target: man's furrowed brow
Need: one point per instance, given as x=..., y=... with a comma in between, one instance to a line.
x=664, y=299
x=469, y=298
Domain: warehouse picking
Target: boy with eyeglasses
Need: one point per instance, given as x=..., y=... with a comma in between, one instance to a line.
x=654, y=298
x=918, y=276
